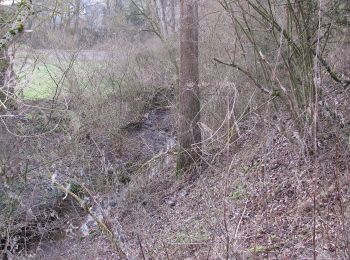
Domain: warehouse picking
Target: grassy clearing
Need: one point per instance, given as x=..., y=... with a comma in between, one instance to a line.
x=42, y=80
x=94, y=76
x=39, y=82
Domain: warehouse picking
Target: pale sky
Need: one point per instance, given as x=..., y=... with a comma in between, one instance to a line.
x=7, y=2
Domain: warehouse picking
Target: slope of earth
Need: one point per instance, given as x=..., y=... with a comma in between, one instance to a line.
x=261, y=196
x=260, y=199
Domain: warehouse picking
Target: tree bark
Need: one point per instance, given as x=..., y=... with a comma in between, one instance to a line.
x=189, y=102
x=6, y=80
x=163, y=6
x=173, y=15
x=77, y=15
x=4, y=66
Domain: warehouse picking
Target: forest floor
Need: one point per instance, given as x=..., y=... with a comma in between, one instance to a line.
x=238, y=206
x=259, y=196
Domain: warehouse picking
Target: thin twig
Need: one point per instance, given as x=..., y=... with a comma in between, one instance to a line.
x=141, y=248
x=104, y=228
x=247, y=73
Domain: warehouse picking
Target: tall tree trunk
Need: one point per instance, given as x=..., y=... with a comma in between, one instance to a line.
x=6, y=79
x=157, y=16
x=53, y=23
x=189, y=132
x=163, y=6
x=68, y=22
x=4, y=65
x=173, y=15
x=77, y=15
x=107, y=19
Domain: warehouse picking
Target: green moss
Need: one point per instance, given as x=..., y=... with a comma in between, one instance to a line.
x=20, y=28
x=13, y=31
x=22, y=3
x=263, y=249
x=191, y=236
x=92, y=235
x=178, y=171
x=75, y=188
x=238, y=193
x=275, y=93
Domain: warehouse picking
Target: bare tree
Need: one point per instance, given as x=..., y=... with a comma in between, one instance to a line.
x=163, y=6
x=173, y=15
x=77, y=15
x=12, y=25
x=189, y=131
x=4, y=65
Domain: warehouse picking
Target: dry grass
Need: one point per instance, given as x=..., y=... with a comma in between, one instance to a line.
x=268, y=187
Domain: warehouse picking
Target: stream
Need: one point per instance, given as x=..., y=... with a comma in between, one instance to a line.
x=155, y=133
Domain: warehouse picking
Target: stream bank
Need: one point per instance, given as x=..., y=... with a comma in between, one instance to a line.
x=69, y=226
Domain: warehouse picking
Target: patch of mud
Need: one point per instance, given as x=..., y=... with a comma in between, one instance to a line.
x=152, y=135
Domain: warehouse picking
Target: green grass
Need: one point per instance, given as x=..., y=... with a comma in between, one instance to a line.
x=37, y=82
x=42, y=74
x=43, y=80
